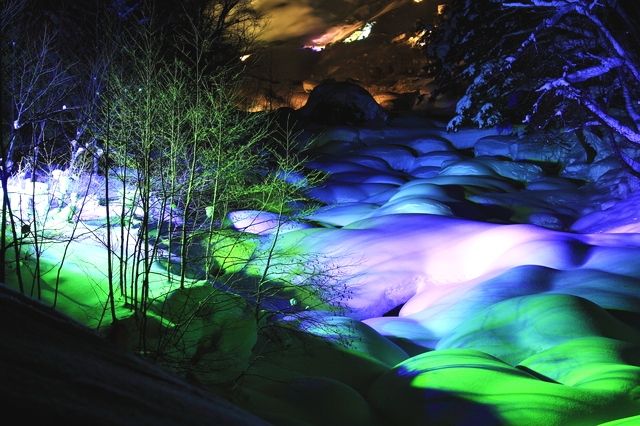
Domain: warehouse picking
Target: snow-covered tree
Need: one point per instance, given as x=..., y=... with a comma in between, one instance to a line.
x=546, y=64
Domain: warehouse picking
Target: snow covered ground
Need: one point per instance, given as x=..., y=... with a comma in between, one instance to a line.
x=510, y=279
x=490, y=281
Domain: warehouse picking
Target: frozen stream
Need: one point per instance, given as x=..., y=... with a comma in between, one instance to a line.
x=491, y=280
x=471, y=245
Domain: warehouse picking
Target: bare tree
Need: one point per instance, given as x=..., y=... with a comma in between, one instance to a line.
x=35, y=87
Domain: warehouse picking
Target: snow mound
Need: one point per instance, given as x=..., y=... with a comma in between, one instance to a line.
x=518, y=328
x=465, y=386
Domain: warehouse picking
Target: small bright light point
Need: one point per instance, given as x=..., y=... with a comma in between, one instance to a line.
x=245, y=57
x=315, y=48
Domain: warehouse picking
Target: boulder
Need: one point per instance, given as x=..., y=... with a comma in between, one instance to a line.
x=342, y=102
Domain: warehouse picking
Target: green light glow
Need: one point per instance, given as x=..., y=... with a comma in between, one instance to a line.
x=629, y=421
x=423, y=383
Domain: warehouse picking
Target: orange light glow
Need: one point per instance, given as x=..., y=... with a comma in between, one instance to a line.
x=417, y=40
x=333, y=35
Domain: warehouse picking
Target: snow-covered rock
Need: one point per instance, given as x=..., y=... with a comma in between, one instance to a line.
x=528, y=149
x=465, y=386
x=467, y=168
x=437, y=159
x=515, y=329
x=262, y=223
x=398, y=157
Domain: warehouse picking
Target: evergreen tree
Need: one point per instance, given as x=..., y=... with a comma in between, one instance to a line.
x=566, y=64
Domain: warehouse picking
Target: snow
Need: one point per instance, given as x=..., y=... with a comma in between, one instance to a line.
x=262, y=223
x=465, y=386
x=360, y=34
x=478, y=284
x=515, y=282
x=342, y=214
x=56, y=371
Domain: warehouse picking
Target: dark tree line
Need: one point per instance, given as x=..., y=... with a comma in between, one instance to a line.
x=562, y=64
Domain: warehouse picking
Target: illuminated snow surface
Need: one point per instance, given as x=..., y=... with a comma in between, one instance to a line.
x=516, y=290
x=484, y=289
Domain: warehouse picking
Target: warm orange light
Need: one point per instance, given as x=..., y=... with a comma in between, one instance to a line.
x=399, y=38
x=417, y=40
x=333, y=35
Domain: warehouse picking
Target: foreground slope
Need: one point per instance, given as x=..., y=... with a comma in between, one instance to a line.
x=56, y=371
